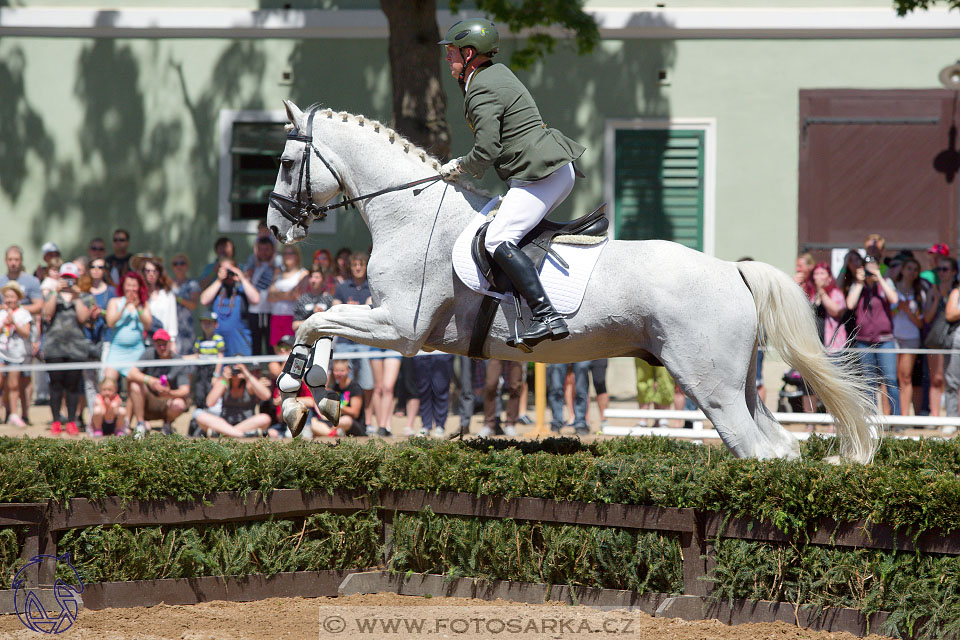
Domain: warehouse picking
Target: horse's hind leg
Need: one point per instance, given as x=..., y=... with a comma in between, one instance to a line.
x=784, y=443
x=716, y=378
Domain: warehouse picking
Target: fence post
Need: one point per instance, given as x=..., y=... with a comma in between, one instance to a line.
x=698, y=559
x=386, y=531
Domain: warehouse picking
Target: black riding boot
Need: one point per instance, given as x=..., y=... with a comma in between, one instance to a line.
x=546, y=322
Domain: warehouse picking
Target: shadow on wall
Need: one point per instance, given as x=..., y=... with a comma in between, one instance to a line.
x=123, y=179
x=23, y=132
x=237, y=78
x=128, y=150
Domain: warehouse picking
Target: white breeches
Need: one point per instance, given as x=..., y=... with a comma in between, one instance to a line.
x=525, y=204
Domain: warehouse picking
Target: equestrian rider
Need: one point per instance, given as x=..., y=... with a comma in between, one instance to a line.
x=534, y=161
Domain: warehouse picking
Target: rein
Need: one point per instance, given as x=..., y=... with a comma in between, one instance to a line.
x=302, y=212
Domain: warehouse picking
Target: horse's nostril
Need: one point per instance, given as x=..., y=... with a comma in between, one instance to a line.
x=275, y=231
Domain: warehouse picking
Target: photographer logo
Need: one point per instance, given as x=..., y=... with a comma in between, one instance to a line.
x=27, y=601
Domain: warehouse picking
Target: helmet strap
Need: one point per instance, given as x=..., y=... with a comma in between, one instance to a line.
x=466, y=63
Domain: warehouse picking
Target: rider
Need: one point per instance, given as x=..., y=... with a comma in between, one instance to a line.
x=534, y=161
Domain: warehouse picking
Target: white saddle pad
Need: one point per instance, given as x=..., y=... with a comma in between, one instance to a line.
x=564, y=286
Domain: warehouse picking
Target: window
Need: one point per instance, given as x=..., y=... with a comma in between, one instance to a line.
x=659, y=177
x=250, y=145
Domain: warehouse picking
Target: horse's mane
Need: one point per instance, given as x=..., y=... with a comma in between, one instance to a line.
x=389, y=134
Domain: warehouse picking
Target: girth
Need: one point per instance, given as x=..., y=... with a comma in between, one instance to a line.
x=537, y=244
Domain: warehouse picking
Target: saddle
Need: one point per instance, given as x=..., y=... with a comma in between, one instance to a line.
x=537, y=245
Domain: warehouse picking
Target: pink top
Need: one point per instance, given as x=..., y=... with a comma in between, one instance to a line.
x=835, y=334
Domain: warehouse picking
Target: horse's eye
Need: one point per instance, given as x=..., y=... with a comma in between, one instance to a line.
x=286, y=163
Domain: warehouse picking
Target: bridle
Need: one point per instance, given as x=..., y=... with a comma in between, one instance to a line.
x=302, y=211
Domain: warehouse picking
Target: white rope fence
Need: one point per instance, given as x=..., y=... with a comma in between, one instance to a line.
x=191, y=362
x=699, y=432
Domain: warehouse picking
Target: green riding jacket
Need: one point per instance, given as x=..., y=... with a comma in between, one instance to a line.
x=508, y=131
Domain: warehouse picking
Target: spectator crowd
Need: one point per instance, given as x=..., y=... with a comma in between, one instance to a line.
x=119, y=309
x=888, y=307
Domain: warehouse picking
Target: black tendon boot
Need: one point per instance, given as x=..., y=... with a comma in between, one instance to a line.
x=546, y=322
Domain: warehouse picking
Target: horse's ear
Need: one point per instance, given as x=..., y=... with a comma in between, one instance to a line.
x=294, y=115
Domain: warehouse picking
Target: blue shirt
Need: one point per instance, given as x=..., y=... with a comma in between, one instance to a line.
x=231, y=309
x=29, y=284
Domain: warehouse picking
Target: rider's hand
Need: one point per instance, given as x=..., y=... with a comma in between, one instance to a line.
x=451, y=169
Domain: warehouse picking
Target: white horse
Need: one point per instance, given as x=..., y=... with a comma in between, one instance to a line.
x=695, y=314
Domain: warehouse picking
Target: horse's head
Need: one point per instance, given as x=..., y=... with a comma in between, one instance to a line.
x=301, y=184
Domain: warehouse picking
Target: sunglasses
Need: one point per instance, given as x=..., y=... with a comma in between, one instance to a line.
x=179, y=263
x=97, y=266
x=121, y=239
x=944, y=268
x=98, y=248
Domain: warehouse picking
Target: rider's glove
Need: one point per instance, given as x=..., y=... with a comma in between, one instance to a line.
x=451, y=170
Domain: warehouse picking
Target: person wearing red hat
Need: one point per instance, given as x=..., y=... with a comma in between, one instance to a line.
x=65, y=313
x=934, y=253
x=158, y=392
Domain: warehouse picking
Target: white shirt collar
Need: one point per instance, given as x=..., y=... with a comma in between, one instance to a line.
x=466, y=86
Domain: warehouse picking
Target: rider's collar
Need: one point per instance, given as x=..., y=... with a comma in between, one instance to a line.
x=482, y=65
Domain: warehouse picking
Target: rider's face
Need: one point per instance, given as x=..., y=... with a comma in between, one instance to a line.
x=455, y=60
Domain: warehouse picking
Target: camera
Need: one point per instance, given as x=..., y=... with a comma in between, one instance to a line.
x=868, y=260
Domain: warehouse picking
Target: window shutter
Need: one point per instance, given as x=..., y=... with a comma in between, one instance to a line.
x=658, y=185
x=255, y=147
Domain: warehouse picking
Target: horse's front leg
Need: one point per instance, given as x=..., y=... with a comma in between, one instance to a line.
x=355, y=322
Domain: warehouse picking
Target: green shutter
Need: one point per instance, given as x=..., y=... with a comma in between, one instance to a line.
x=255, y=147
x=658, y=185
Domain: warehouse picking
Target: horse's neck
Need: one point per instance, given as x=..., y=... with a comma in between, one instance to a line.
x=374, y=163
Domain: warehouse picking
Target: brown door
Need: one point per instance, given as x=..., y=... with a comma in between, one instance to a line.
x=878, y=162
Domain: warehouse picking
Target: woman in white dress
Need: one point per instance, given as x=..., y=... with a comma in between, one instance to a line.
x=160, y=296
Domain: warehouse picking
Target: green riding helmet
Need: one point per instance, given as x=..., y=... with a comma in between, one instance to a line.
x=479, y=33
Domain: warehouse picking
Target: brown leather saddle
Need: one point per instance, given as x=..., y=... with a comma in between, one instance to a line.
x=537, y=245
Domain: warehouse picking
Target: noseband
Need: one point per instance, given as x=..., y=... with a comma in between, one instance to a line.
x=302, y=211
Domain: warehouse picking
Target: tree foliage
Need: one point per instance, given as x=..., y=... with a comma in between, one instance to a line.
x=904, y=7
x=536, y=15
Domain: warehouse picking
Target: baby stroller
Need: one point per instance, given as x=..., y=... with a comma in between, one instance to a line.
x=792, y=392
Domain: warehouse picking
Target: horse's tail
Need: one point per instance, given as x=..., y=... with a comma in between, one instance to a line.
x=787, y=321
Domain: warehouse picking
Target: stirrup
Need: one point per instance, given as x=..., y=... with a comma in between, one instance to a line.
x=517, y=342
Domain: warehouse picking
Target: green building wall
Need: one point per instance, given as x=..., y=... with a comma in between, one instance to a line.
x=123, y=132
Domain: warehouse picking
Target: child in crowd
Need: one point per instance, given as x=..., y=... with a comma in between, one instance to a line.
x=351, y=405
x=209, y=345
x=109, y=414
x=14, y=337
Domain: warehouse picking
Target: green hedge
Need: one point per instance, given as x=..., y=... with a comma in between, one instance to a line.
x=535, y=552
x=321, y=541
x=912, y=484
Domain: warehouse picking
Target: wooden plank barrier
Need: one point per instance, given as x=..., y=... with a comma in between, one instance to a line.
x=697, y=530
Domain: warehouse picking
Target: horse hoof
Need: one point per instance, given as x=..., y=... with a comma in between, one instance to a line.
x=329, y=408
x=295, y=415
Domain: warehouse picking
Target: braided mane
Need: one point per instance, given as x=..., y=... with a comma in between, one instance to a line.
x=393, y=137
